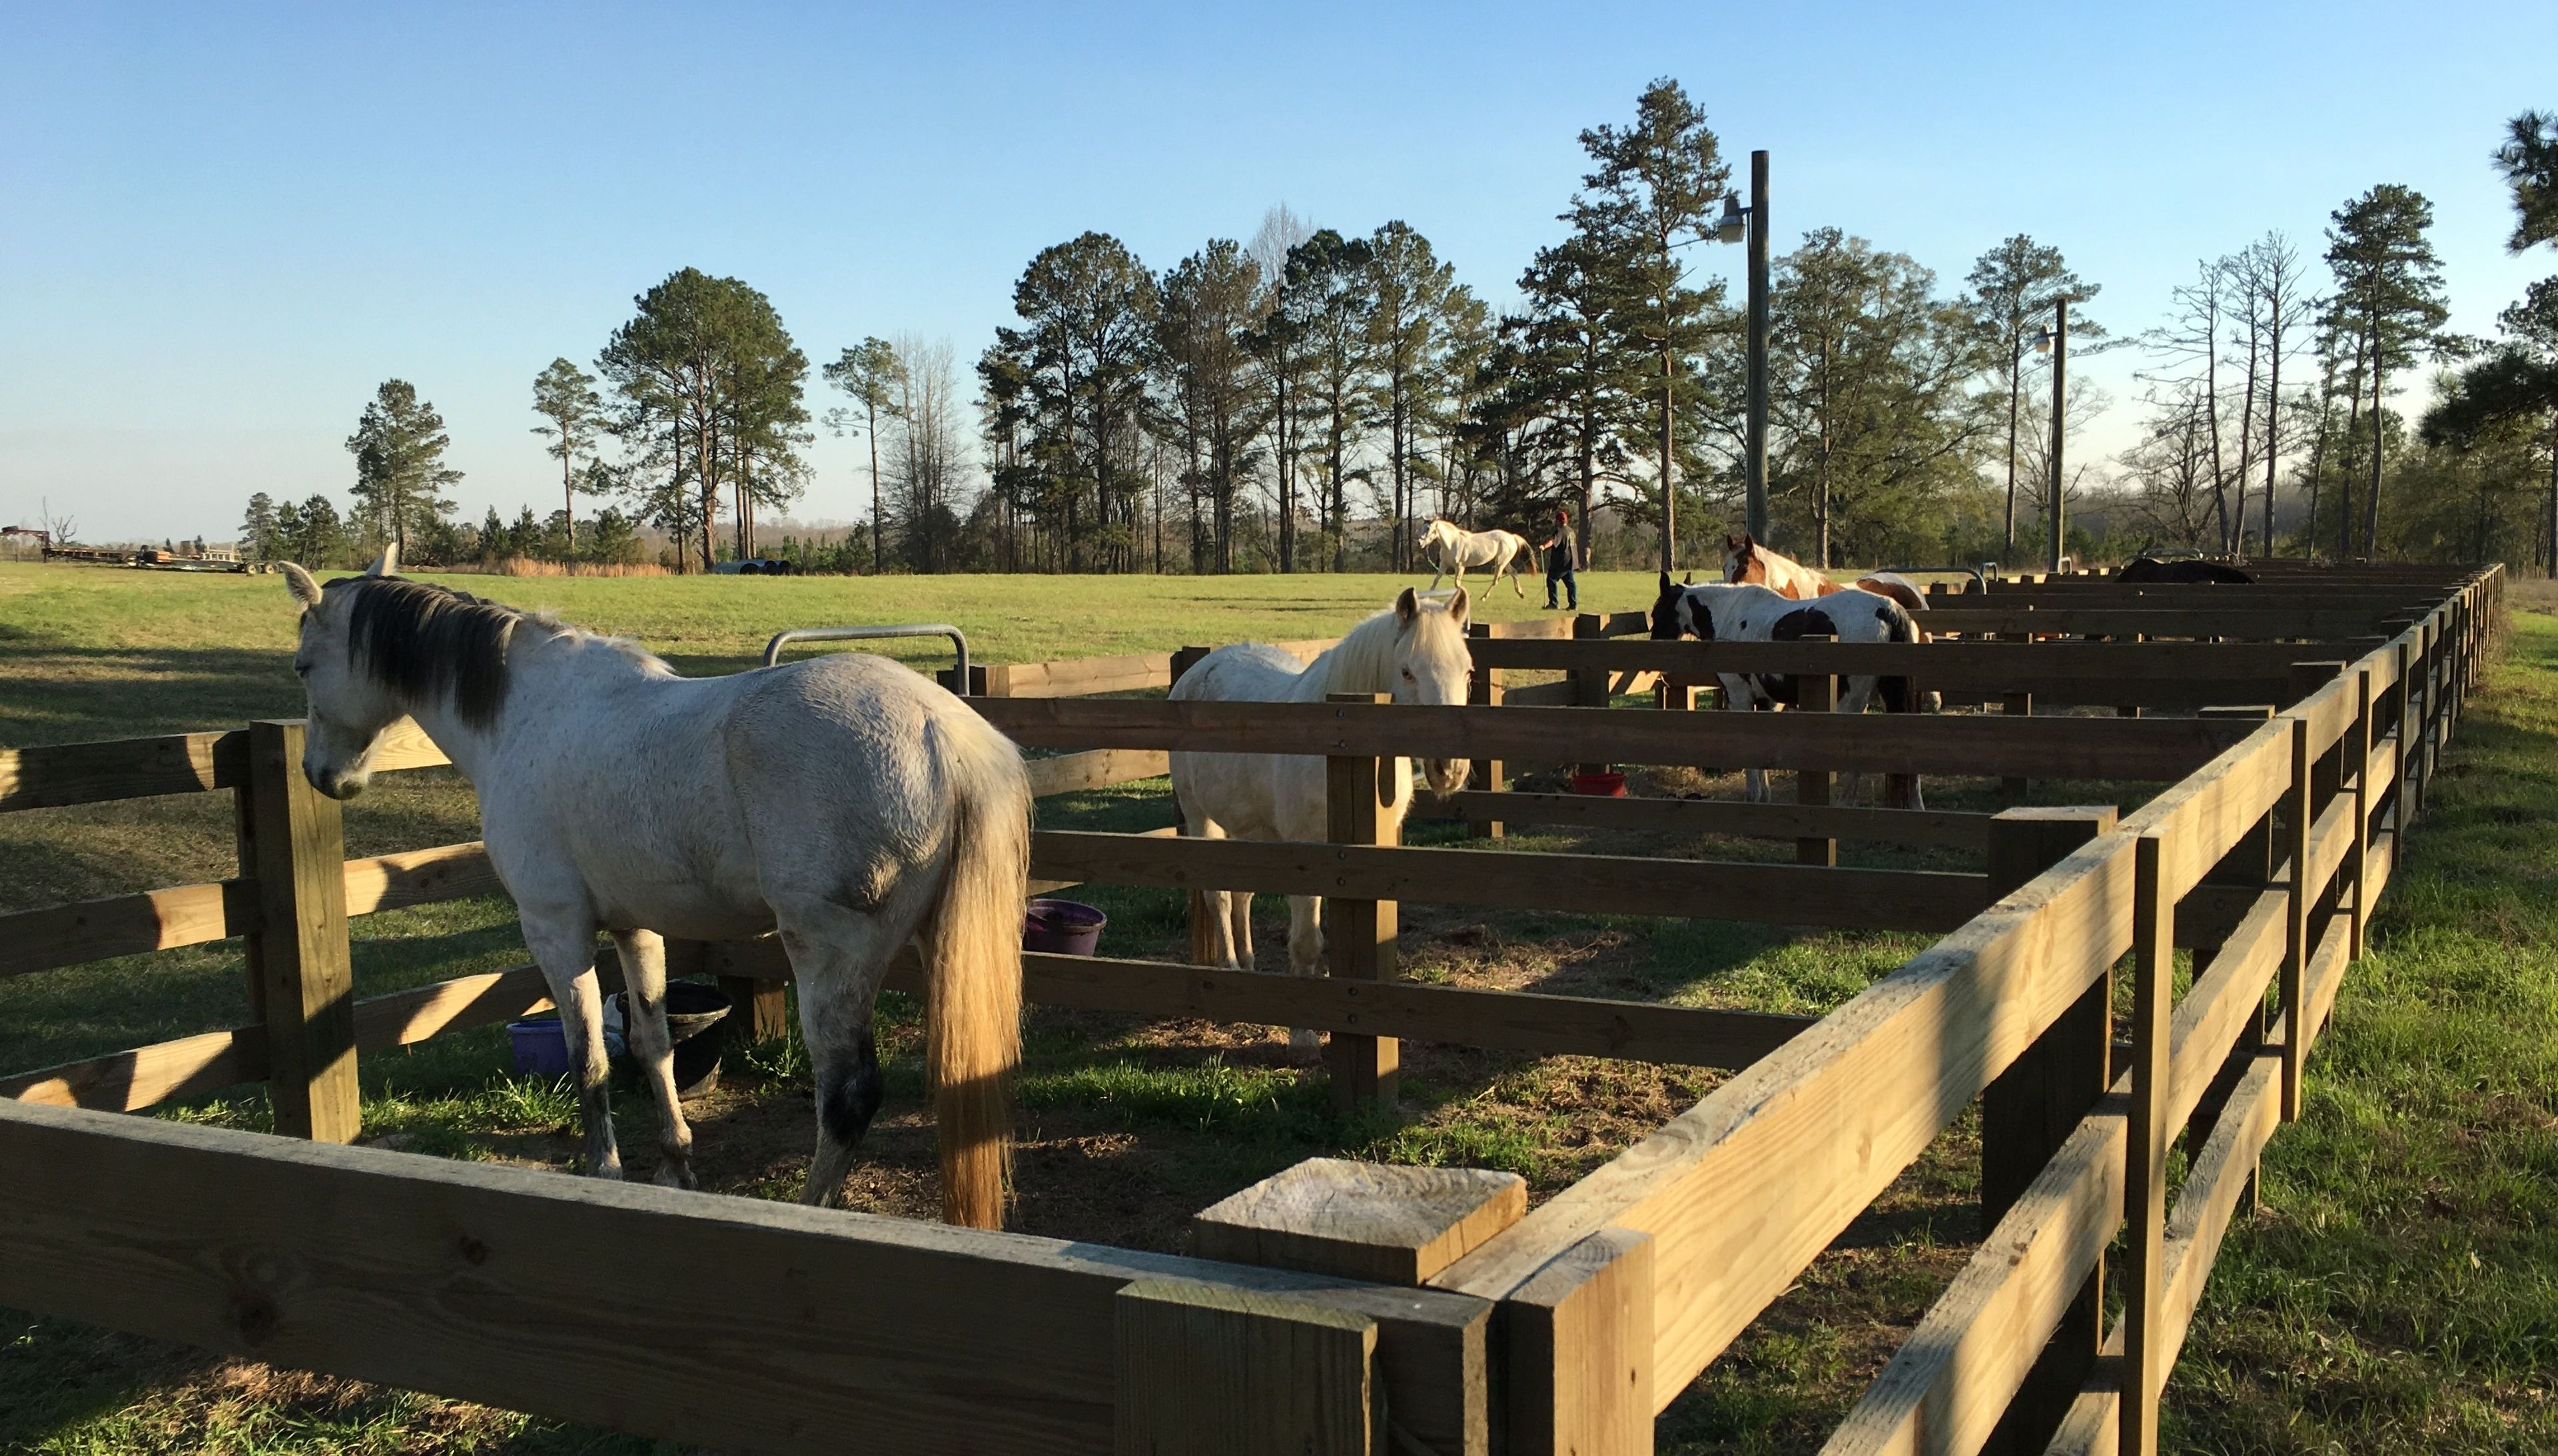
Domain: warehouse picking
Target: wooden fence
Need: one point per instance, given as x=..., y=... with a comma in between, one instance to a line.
x=1344, y=1307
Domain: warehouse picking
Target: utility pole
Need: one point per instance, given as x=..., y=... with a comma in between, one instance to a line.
x=2060, y=415
x=1754, y=465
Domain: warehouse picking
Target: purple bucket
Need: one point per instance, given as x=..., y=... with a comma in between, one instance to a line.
x=1062, y=927
x=541, y=1046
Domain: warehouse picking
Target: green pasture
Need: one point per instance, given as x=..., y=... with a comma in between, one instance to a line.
x=2395, y=1292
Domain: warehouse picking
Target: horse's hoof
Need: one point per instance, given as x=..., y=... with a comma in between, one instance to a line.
x=609, y=1170
x=677, y=1174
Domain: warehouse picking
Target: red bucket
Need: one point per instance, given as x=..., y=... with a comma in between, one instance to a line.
x=1600, y=785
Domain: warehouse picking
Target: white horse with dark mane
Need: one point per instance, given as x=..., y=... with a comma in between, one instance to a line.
x=843, y=799
x=1721, y=612
x=1416, y=652
x=1455, y=550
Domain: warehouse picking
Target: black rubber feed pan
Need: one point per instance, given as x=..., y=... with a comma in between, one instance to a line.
x=696, y=1013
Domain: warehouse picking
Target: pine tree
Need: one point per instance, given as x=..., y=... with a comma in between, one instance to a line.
x=1652, y=194
x=400, y=473
x=2014, y=287
x=564, y=396
x=1406, y=336
x=867, y=372
x=2389, y=300
x=2529, y=161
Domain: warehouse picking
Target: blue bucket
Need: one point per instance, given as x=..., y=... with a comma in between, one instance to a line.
x=541, y=1046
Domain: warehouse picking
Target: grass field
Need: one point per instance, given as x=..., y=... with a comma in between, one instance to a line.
x=2395, y=1294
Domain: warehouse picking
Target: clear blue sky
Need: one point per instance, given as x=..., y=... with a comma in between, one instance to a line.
x=224, y=226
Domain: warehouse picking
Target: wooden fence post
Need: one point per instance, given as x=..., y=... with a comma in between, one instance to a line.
x=1590, y=685
x=302, y=978
x=1203, y=1367
x=1358, y=934
x=2293, y=979
x=1486, y=776
x=2016, y=705
x=2031, y=1107
x=2145, y=1179
x=2357, y=758
x=1816, y=692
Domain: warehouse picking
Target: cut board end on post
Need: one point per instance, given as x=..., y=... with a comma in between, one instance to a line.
x=1379, y=1221
x=1581, y=1368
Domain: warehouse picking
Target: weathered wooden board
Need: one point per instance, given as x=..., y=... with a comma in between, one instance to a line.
x=121, y=767
x=1379, y=1221
x=1714, y=816
x=783, y=1328
x=2076, y=748
x=1587, y=883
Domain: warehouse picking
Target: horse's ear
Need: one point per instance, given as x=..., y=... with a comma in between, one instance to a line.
x=1406, y=607
x=1668, y=586
x=385, y=564
x=1731, y=543
x=1749, y=543
x=1457, y=609
x=1691, y=579
x=306, y=592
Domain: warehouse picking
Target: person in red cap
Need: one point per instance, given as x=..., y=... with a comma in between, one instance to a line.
x=1561, y=556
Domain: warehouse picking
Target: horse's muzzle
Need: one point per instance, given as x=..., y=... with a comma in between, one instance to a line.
x=338, y=784
x=1445, y=776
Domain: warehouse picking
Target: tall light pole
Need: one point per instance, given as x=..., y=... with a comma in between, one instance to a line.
x=1752, y=222
x=2056, y=341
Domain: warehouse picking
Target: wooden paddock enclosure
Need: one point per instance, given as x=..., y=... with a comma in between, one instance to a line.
x=1344, y=1307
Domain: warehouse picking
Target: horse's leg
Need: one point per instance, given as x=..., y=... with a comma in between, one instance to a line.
x=1220, y=925
x=1743, y=699
x=839, y=955
x=643, y=974
x=1860, y=691
x=563, y=945
x=1241, y=900
x=1305, y=958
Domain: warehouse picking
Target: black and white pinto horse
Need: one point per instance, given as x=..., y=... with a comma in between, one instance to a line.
x=1722, y=612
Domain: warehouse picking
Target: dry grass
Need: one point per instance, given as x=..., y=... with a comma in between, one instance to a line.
x=527, y=566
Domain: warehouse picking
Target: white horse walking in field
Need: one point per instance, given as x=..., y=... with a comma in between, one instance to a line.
x=1455, y=550
x=1722, y=612
x=842, y=800
x=1416, y=652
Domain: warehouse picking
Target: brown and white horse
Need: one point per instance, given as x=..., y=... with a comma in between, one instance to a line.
x=1746, y=561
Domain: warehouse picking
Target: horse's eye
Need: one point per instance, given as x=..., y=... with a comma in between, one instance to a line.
x=302, y=669
x=1408, y=677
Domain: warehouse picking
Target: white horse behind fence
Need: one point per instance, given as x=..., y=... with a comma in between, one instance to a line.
x=1416, y=652
x=1455, y=550
x=1719, y=611
x=842, y=800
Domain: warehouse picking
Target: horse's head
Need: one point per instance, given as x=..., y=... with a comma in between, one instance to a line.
x=348, y=707
x=1741, y=561
x=1440, y=532
x=1432, y=664
x=1677, y=611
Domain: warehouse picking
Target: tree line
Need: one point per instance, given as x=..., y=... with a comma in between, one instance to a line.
x=1303, y=400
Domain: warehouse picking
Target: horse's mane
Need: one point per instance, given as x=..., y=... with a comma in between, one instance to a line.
x=1364, y=660
x=422, y=640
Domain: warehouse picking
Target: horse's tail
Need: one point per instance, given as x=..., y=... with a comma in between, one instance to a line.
x=1898, y=696
x=973, y=971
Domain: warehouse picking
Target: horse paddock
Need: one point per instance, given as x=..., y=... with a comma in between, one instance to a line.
x=1349, y=1307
